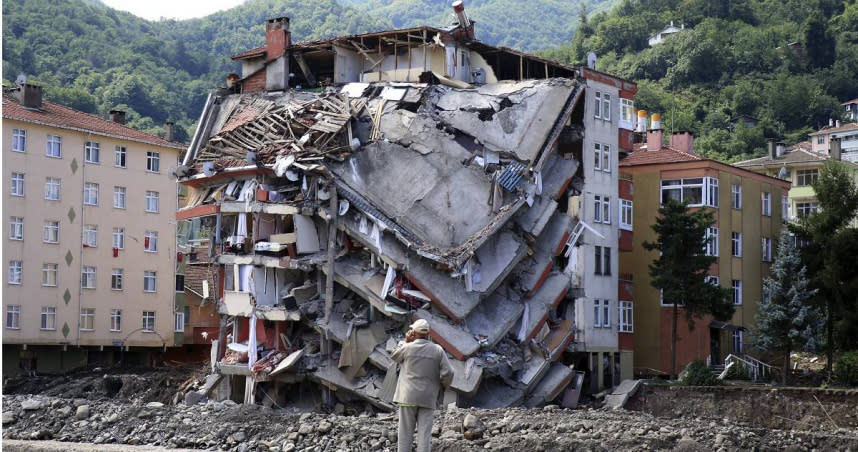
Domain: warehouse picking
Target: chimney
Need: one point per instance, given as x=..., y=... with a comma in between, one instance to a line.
x=830, y=122
x=780, y=149
x=277, y=37
x=773, y=154
x=682, y=141
x=29, y=96
x=834, y=149
x=641, y=121
x=117, y=116
x=168, y=134
x=655, y=136
x=837, y=124
x=459, y=10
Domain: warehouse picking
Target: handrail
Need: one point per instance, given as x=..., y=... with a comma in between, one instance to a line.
x=757, y=369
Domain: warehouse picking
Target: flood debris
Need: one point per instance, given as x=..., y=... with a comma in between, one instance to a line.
x=344, y=213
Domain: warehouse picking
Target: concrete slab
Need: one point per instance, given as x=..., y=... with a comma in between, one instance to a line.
x=558, y=377
x=559, y=338
x=533, y=371
x=547, y=298
x=497, y=257
x=533, y=271
x=454, y=340
x=494, y=393
x=535, y=218
x=349, y=272
x=621, y=394
x=467, y=376
x=329, y=375
x=557, y=175
x=446, y=293
x=494, y=317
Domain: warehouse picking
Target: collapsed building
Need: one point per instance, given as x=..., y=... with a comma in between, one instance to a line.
x=345, y=188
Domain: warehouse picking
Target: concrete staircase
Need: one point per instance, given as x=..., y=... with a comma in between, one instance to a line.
x=716, y=369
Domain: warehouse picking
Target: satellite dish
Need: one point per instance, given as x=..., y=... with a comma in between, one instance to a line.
x=22, y=79
x=591, y=60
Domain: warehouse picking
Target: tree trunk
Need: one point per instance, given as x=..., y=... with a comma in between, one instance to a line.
x=673, y=342
x=829, y=346
x=785, y=371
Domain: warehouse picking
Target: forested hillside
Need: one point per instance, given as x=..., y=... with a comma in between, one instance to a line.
x=788, y=63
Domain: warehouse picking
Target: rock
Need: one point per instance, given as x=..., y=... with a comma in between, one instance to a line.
x=550, y=408
x=288, y=446
x=79, y=402
x=304, y=417
x=305, y=429
x=31, y=405
x=292, y=436
x=239, y=436
x=154, y=405
x=82, y=412
x=193, y=397
x=472, y=427
x=8, y=417
x=324, y=427
x=339, y=409
x=112, y=418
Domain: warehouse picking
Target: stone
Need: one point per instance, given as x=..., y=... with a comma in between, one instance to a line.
x=305, y=416
x=288, y=447
x=80, y=402
x=305, y=429
x=324, y=427
x=339, y=409
x=193, y=397
x=154, y=405
x=31, y=405
x=239, y=436
x=64, y=411
x=8, y=417
x=82, y=412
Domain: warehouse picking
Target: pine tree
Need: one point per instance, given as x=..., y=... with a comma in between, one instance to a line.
x=681, y=270
x=787, y=321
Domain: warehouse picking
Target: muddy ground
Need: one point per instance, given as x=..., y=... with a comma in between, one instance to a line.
x=92, y=408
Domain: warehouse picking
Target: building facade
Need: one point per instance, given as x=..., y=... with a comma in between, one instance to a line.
x=89, y=243
x=749, y=213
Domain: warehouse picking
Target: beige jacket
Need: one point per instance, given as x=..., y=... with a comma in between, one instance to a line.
x=424, y=370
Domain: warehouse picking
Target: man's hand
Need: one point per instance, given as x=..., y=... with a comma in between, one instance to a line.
x=410, y=336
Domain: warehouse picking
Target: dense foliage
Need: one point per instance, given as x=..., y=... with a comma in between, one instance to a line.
x=787, y=63
x=846, y=369
x=698, y=374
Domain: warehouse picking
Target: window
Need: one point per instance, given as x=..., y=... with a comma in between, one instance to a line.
x=806, y=177
x=54, y=146
x=738, y=342
x=626, y=211
x=180, y=322
x=115, y=320
x=13, y=317
x=766, y=204
x=736, y=189
x=49, y=275
x=149, y=281
x=626, y=317
x=602, y=209
x=606, y=313
x=119, y=197
x=820, y=139
x=627, y=113
x=150, y=241
x=119, y=238
x=116, y=279
x=148, y=321
x=737, y=244
x=87, y=319
x=87, y=277
x=90, y=236
x=180, y=283
x=90, y=194
x=17, y=184
x=48, y=318
x=712, y=241
x=602, y=157
x=603, y=260
x=91, y=152
x=737, y=292
x=699, y=191
x=19, y=140
x=597, y=313
x=119, y=156
x=16, y=228
x=806, y=209
x=16, y=269
x=51, y=232
x=784, y=207
x=52, y=189
x=152, y=201
x=153, y=161
x=603, y=106
x=767, y=249
x=714, y=280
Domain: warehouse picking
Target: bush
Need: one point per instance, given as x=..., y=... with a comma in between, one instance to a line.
x=846, y=369
x=738, y=371
x=698, y=374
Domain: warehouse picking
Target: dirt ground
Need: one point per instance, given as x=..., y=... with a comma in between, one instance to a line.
x=92, y=411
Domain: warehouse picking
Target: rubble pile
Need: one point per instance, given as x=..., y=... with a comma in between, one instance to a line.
x=341, y=216
x=230, y=426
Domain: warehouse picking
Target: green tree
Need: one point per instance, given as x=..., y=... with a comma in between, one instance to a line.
x=818, y=42
x=829, y=255
x=786, y=320
x=681, y=270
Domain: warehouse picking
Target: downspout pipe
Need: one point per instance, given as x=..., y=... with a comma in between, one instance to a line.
x=195, y=141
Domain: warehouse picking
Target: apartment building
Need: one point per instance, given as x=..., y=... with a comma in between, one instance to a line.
x=609, y=131
x=89, y=237
x=749, y=211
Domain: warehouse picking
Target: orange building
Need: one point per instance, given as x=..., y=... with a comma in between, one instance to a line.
x=749, y=213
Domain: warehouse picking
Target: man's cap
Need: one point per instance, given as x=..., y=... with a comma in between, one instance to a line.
x=420, y=326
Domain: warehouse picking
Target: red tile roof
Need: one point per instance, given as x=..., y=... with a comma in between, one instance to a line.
x=665, y=155
x=843, y=128
x=250, y=53
x=57, y=115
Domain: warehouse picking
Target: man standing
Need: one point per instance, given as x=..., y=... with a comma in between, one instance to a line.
x=424, y=370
